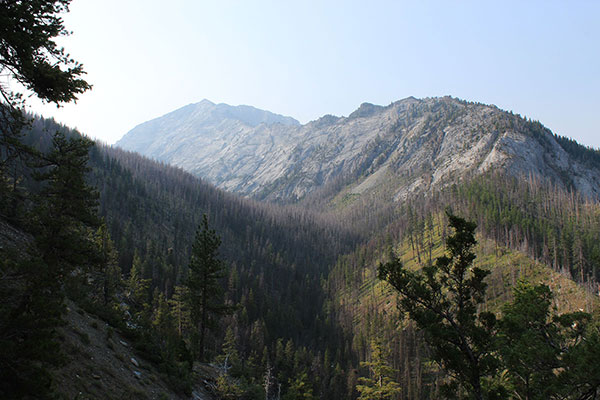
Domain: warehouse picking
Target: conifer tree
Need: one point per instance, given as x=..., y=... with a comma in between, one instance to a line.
x=206, y=271
x=139, y=288
x=380, y=385
x=109, y=273
x=299, y=388
x=30, y=56
x=443, y=299
x=526, y=340
x=230, y=358
x=548, y=356
x=62, y=223
x=27, y=329
x=66, y=209
x=162, y=320
x=180, y=310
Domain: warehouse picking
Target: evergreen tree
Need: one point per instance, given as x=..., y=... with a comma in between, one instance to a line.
x=162, y=320
x=29, y=53
x=206, y=271
x=62, y=222
x=548, y=356
x=380, y=385
x=229, y=360
x=299, y=388
x=443, y=299
x=30, y=56
x=528, y=342
x=180, y=310
x=139, y=291
x=108, y=273
x=67, y=208
x=29, y=316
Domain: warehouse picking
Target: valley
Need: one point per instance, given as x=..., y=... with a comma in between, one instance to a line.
x=302, y=256
x=431, y=248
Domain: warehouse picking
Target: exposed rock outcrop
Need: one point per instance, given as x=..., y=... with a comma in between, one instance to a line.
x=412, y=144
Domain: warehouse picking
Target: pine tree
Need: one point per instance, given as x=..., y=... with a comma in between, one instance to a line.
x=67, y=208
x=179, y=304
x=29, y=316
x=139, y=291
x=548, y=356
x=63, y=222
x=299, y=388
x=162, y=320
x=526, y=342
x=380, y=385
x=230, y=357
x=108, y=273
x=206, y=271
x=30, y=56
x=443, y=299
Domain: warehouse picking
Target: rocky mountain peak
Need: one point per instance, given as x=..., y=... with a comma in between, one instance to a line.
x=250, y=115
x=365, y=110
x=408, y=147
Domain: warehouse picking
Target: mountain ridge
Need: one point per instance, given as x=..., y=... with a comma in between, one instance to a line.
x=419, y=144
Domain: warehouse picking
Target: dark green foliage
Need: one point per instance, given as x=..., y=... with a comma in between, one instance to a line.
x=206, y=271
x=589, y=157
x=559, y=228
x=528, y=353
x=299, y=389
x=278, y=257
x=29, y=317
x=548, y=356
x=30, y=56
x=62, y=218
x=67, y=208
x=108, y=273
x=287, y=313
x=443, y=300
x=33, y=284
x=29, y=53
x=528, y=342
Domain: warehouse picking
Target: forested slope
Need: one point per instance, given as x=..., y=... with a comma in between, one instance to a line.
x=277, y=258
x=307, y=302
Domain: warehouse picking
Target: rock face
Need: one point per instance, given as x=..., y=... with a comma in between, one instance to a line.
x=410, y=146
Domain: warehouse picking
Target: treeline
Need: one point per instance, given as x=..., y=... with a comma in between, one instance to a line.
x=557, y=227
x=588, y=156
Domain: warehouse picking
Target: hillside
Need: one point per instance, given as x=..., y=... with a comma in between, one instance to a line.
x=103, y=364
x=302, y=281
x=406, y=148
x=368, y=306
x=428, y=249
x=275, y=260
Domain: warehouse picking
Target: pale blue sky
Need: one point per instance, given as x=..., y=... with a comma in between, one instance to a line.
x=309, y=58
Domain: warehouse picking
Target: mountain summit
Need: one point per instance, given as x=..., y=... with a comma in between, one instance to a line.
x=201, y=122
x=407, y=147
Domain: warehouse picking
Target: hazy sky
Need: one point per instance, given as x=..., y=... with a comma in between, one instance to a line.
x=306, y=59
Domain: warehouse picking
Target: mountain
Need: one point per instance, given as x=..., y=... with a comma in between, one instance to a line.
x=193, y=136
x=304, y=282
x=407, y=147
